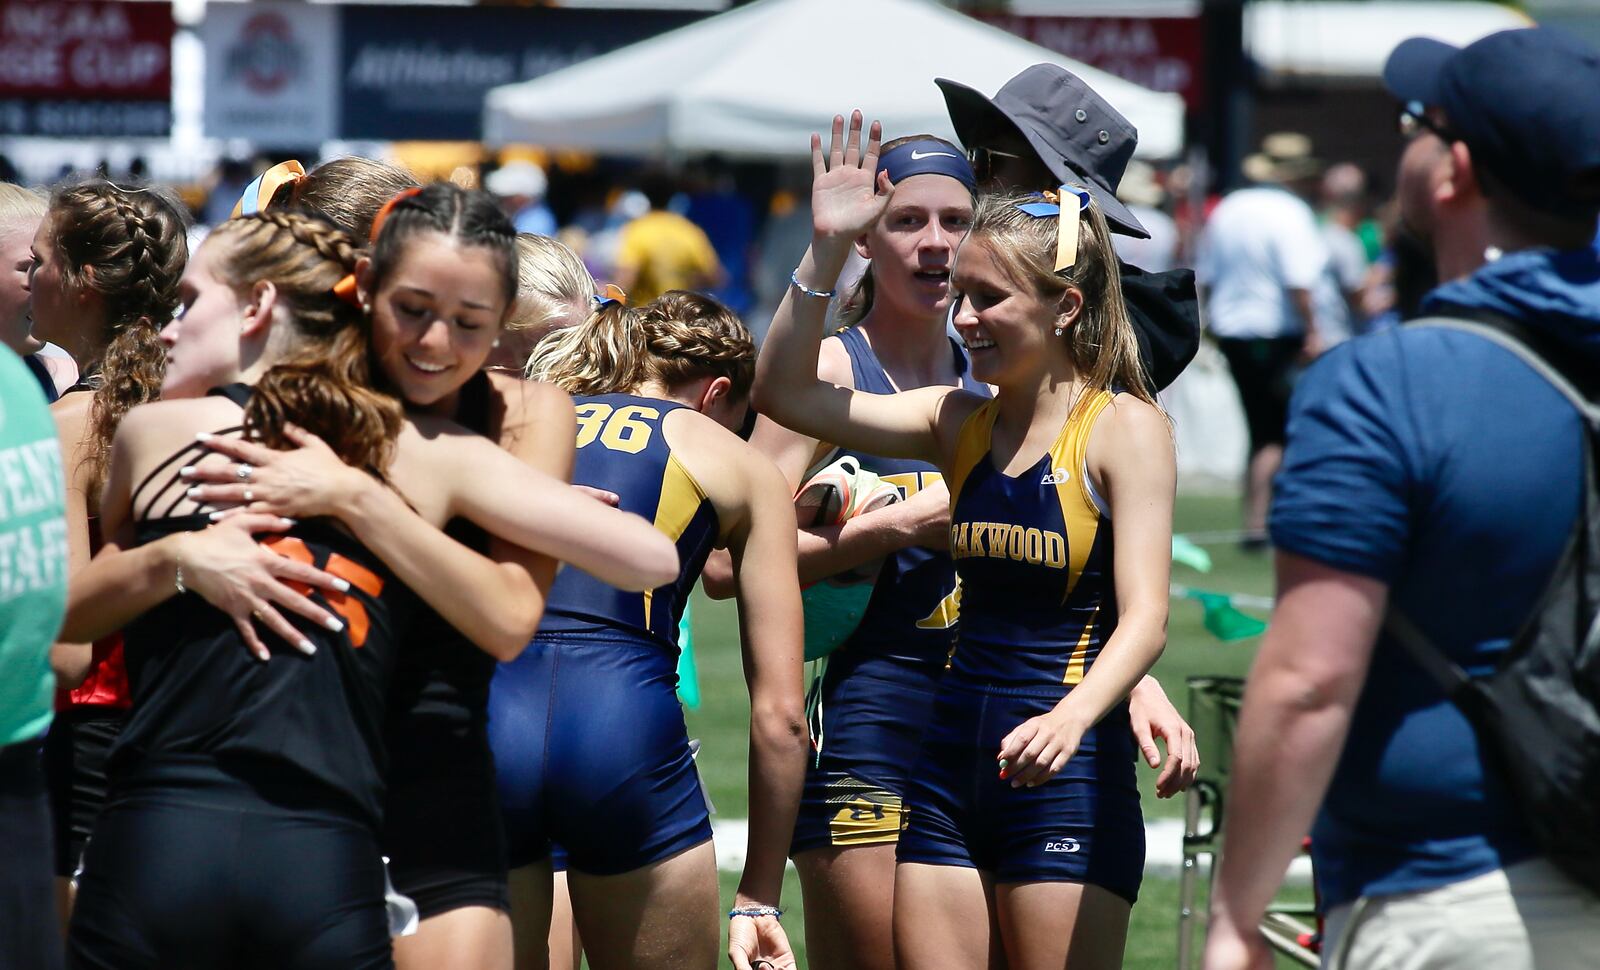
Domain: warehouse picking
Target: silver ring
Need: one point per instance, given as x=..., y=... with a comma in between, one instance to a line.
x=249, y=496
x=245, y=470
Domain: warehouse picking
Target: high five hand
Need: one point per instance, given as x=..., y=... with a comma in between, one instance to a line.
x=847, y=196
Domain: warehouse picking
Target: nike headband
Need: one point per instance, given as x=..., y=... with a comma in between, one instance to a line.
x=926, y=157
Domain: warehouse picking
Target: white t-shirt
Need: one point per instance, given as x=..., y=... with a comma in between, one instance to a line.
x=1259, y=244
x=1157, y=254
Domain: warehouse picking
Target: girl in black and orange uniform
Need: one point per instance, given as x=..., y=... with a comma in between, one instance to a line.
x=103, y=280
x=437, y=289
x=294, y=758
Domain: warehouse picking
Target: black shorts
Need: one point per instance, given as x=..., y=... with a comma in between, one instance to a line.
x=75, y=755
x=1264, y=371
x=204, y=871
x=30, y=937
x=442, y=829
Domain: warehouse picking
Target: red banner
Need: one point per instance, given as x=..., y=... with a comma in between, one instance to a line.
x=1160, y=53
x=90, y=50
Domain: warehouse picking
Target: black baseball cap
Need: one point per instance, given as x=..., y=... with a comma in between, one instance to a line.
x=1526, y=102
x=1077, y=135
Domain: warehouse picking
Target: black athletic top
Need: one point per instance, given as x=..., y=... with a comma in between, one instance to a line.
x=200, y=697
x=441, y=686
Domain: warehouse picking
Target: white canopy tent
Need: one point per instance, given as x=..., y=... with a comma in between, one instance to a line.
x=757, y=81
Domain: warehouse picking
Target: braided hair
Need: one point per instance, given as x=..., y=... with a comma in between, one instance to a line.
x=467, y=216
x=129, y=247
x=676, y=338
x=325, y=383
x=348, y=190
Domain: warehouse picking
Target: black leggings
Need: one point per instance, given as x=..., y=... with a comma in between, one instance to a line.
x=187, y=879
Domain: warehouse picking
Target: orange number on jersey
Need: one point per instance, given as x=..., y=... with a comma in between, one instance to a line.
x=357, y=575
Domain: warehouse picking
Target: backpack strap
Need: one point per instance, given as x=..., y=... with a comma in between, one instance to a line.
x=1581, y=390
x=1445, y=672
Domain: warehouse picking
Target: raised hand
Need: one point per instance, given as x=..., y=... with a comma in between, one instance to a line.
x=847, y=197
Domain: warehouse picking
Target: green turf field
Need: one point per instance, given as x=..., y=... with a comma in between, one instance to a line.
x=721, y=721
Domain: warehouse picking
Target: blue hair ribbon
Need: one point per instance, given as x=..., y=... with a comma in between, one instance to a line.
x=1067, y=232
x=258, y=194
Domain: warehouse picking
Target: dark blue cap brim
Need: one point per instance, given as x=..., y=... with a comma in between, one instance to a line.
x=1412, y=71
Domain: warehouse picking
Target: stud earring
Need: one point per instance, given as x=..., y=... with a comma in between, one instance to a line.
x=496, y=342
x=1060, y=331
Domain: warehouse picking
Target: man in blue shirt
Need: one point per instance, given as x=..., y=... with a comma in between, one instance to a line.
x=1433, y=472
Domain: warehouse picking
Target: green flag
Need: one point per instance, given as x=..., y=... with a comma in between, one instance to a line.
x=688, y=676
x=1186, y=553
x=1223, y=620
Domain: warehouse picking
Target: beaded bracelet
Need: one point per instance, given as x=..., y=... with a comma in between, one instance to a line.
x=794, y=278
x=756, y=911
x=177, y=581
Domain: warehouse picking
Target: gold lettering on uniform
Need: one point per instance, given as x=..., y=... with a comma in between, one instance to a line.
x=979, y=530
x=1055, y=550
x=1015, y=542
x=1034, y=546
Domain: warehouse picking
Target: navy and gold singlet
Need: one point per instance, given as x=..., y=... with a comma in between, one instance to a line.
x=1034, y=555
x=911, y=618
x=1034, y=552
x=589, y=740
x=621, y=449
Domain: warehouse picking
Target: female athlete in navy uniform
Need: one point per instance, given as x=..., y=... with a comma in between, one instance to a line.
x=589, y=737
x=877, y=689
x=263, y=289
x=1064, y=594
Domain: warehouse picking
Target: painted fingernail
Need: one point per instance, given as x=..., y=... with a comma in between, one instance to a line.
x=1003, y=764
x=193, y=492
x=286, y=522
x=203, y=436
x=341, y=586
x=186, y=471
x=215, y=516
x=307, y=647
x=334, y=624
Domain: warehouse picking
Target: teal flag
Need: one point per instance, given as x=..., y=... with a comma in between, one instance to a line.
x=1186, y=553
x=1223, y=620
x=688, y=676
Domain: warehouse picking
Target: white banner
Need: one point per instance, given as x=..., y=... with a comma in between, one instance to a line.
x=272, y=72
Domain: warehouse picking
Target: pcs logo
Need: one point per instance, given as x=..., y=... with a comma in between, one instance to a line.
x=1061, y=845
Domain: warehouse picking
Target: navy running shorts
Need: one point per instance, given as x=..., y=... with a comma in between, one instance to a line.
x=1084, y=825
x=591, y=751
x=871, y=712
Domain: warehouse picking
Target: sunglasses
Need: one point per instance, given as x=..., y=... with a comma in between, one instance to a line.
x=982, y=160
x=1413, y=120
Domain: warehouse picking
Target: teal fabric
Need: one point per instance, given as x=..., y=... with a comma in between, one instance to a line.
x=33, y=552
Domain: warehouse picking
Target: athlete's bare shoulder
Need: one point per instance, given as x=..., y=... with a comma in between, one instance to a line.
x=833, y=363
x=731, y=472
x=528, y=401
